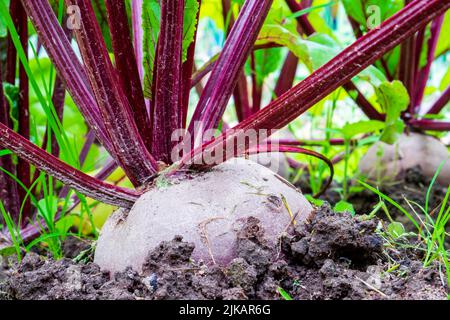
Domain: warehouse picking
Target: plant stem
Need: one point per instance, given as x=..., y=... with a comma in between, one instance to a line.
x=240, y=96
x=240, y=93
x=58, y=97
x=431, y=125
x=363, y=103
x=406, y=69
x=287, y=75
x=127, y=67
x=138, y=35
x=360, y=100
x=322, y=82
x=225, y=74
x=256, y=87
x=292, y=149
x=33, y=230
x=425, y=72
x=168, y=111
x=303, y=21
x=67, y=64
x=129, y=148
x=209, y=66
x=316, y=143
x=8, y=188
x=68, y=175
x=59, y=92
x=23, y=167
x=11, y=55
x=419, y=42
x=187, y=71
x=441, y=102
x=346, y=160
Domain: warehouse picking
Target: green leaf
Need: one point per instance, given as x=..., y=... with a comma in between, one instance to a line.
x=392, y=131
x=189, y=24
x=314, y=201
x=361, y=127
x=322, y=48
x=396, y=230
x=394, y=99
x=284, y=294
x=5, y=153
x=266, y=62
x=12, y=96
x=320, y=25
x=310, y=9
x=445, y=81
x=278, y=34
x=7, y=251
x=277, y=15
x=151, y=20
x=344, y=206
x=354, y=9
x=3, y=28
x=48, y=208
x=101, y=15
x=444, y=40
x=359, y=10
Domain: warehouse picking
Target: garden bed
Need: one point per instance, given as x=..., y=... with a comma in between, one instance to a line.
x=331, y=256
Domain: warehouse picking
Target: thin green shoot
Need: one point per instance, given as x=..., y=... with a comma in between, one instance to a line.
x=346, y=162
x=14, y=231
x=5, y=153
x=392, y=202
x=47, y=106
x=310, y=9
x=284, y=294
x=438, y=171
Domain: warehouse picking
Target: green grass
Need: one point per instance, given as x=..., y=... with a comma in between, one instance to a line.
x=284, y=294
x=430, y=229
x=44, y=185
x=46, y=104
x=14, y=232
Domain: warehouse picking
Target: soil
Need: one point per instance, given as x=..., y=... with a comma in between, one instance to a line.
x=331, y=256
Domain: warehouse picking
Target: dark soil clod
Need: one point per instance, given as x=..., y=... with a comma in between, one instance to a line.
x=336, y=236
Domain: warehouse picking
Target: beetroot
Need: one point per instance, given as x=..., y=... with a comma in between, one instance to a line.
x=206, y=209
x=384, y=163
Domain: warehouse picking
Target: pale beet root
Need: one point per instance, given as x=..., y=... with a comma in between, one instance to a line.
x=384, y=163
x=275, y=161
x=206, y=209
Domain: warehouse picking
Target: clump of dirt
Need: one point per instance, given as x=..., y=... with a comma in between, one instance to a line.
x=336, y=237
x=331, y=256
